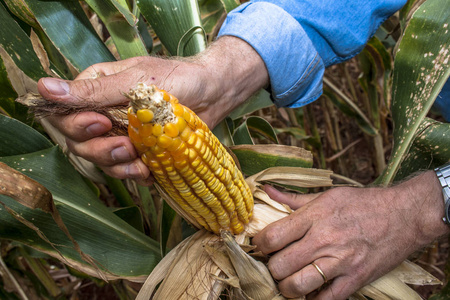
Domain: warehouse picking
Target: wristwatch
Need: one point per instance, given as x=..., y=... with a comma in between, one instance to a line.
x=443, y=174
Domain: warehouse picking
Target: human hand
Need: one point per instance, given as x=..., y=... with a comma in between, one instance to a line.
x=354, y=235
x=212, y=84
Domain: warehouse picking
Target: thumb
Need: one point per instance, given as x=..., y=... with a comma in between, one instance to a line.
x=103, y=91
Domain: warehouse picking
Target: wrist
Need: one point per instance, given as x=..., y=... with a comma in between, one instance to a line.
x=425, y=192
x=233, y=71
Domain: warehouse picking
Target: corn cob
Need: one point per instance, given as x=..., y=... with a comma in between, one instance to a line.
x=188, y=161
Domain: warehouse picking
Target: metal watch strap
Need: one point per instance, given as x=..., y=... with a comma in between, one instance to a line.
x=443, y=174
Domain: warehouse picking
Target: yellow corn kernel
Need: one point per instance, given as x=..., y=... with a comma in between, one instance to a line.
x=181, y=124
x=178, y=110
x=171, y=129
x=149, y=141
x=157, y=150
x=144, y=115
x=134, y=135
x=157, y=129
x=140, y=147
x=166, y=96
x=186, y=134
x=164, y=141
x=176, y=143
x=146, y=130
x=187, y=115
x=132, y=119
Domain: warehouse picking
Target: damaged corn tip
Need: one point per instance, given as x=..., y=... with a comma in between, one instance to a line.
x=188, y=161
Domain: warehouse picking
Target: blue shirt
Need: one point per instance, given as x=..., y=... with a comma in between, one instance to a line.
x=298, y=39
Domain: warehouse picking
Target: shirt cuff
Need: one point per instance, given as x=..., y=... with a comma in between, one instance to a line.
x=277, y=37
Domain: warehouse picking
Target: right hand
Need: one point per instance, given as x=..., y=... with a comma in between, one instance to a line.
x=208, y=84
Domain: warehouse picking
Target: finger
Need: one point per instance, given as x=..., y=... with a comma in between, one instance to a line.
x=281, y=233
x=293, y=200
x=308, y=279
x=293, y=258
x=81, y=126
x=102, y=91
x=104, y=151
x=297, y=255
x=133, y=170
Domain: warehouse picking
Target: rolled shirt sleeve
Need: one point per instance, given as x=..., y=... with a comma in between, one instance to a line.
x=297, y=40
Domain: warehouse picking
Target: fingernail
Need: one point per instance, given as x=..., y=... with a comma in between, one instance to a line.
x=134, y=171
x=56, y=86
x=96, y=129
x=120, y=154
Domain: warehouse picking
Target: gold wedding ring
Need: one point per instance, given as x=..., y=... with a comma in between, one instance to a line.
x=320, y=271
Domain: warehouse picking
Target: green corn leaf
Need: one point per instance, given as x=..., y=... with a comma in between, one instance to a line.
x=298, y=133
x=384, y=64
x=177, y=23
x=255, y=125
x=431, y=148
x=222, y=132
x=132, y=215
x=421, y=68
x=8, y=105
x=57, y=62
x=122, y=7
x=68, y=27
x=375, y=63
x=242, y=136
x=211, y=11
x=145, y=34
x=18, y=45
x=114, y=245
x=167, y=221
x=258, y=101
x=17, y=138
x=407, y=10
x=256, y=158
x=120, y=192
x=149, y=210
x=229, y=5
x=125, y=36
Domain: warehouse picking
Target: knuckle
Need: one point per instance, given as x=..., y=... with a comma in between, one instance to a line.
x=270, y=239
x=328, y=238
x=88, y=89
x=275, y=268
x=298, y=282
x=294, y=286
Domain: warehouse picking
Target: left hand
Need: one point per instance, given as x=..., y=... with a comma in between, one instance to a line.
x=354, y=235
